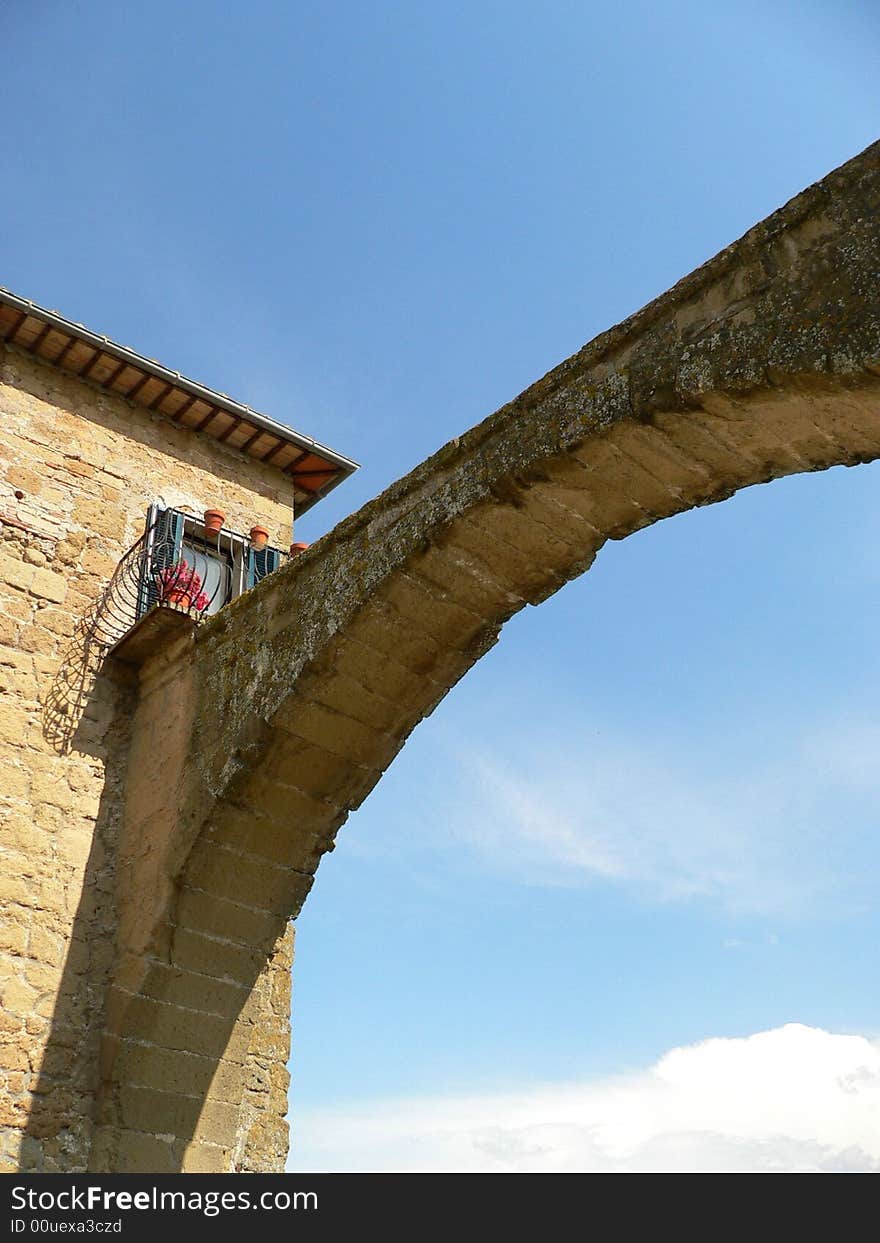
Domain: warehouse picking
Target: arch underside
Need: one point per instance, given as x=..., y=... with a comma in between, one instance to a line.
x=765, y=363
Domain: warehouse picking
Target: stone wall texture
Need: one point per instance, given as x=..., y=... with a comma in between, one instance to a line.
x=78, y=470
x=274, y=719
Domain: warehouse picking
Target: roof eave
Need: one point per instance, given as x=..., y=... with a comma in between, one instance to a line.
x=199, y=392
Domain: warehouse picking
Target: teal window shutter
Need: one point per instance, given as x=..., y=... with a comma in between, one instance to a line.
x=163, y=539
x=260, y=562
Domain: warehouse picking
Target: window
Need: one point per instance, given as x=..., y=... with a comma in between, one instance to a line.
x=214, y=567
x=225, y=562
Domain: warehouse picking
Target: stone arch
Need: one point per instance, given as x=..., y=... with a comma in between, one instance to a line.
x=282, y=713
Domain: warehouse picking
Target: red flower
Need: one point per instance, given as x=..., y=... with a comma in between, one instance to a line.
x=180, y=577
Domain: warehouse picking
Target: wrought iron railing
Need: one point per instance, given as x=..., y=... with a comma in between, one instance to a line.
x=177, y=563
x=180, y=563
x=157, y=570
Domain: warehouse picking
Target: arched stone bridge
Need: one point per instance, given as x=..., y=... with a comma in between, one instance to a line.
x=254, y=739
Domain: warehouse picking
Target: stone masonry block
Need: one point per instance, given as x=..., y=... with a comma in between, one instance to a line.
x=48, y=585
x=211, y=956
x=230, y=920
x=192, y=990
x=16, y=573
x=332, y=731
x=206, y=1159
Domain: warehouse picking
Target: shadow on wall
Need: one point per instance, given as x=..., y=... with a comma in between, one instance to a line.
x=88, y=712
x=70, y=695
x=77, y=1108
x=108, y=620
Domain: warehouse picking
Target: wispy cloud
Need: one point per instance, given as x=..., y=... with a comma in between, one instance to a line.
x=767, y=834
x=793, y=1099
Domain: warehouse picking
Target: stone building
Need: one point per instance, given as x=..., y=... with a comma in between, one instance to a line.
x=101, y=450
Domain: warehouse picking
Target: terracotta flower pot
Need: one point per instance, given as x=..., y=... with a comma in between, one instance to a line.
x=259, y=537
x=175, y=596
x=297, y=548
x=214, y=519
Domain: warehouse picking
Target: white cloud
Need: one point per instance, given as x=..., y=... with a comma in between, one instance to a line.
x=793, y=1099
x=767, y=833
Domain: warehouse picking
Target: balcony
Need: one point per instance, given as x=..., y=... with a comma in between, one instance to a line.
x=183, y=569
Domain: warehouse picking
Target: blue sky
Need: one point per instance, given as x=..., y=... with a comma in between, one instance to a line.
x=647, y=819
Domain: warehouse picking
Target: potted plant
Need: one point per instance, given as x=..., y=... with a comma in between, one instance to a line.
x=259, y=537
x=214, y=519
x=180, y=584
x=297, y=547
